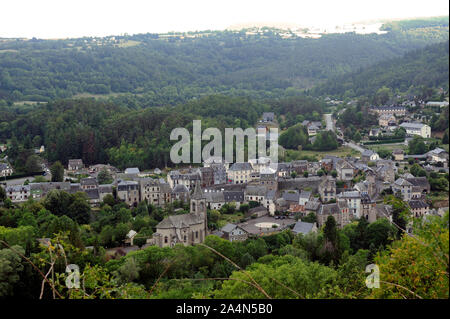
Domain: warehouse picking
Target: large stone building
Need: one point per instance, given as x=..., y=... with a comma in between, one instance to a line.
x=128, y=191
x=338, y=210
x=187, y=229
x=155, y=191
x=239, y=173
x=420, y=129
x=391, y=110
x=327, y=189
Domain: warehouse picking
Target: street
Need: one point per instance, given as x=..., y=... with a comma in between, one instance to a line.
x=329, y=121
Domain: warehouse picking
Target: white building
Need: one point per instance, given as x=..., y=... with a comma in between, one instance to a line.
x=5, y=170
x=18, y=193
x=240, y=173
x=353, y=199
x=420, y=129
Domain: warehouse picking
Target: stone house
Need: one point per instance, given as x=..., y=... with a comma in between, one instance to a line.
x=5, y=170
x=419, y=208
x=345, y=170
x=75, y=165
x=154, y=191
x=327, y=189
x=233, y=232
x=181, y=193
x=188, y=179
x=18, y=193
x=353, y=199
x=338, y=210
x=399, y=154
x=240, y=173
x=128, y=191
x=386, y=119
x=88, y=183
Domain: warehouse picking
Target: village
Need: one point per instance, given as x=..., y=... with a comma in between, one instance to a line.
x=297, y=195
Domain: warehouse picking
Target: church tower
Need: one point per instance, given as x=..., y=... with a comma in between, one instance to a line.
x=198, y=206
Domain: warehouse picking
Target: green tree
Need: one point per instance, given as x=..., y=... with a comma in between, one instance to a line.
x=10, y=268
x=417, y=146
x=2, y=194
x=104, y=177
x=32, y=164
x=57, y=171
x=357, y=137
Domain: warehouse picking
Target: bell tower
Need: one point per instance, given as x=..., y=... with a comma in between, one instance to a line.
x=198, y=205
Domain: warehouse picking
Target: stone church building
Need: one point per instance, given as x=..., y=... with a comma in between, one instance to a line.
x=188, y=229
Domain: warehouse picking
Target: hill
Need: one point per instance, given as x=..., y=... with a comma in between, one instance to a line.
x=173, y=68
x=427, y=67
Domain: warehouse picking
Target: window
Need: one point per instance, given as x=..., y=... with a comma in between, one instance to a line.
x=196, y=234
x=165, y=239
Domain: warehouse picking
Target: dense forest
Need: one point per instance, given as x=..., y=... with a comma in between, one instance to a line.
x=427, y=67
x=328, y=264
x=162, y=71
x=105, y=132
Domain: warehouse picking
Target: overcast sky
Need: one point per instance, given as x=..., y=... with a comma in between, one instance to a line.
x=76, y=18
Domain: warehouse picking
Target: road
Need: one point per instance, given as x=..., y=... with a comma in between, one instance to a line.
x=354, y=146
x=329, y=121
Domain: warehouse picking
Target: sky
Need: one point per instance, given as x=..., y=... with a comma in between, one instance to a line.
x=77, y=18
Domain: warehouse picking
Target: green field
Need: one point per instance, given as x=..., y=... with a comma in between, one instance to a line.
x=342, y=151
x=388, y=147
x=233, y=218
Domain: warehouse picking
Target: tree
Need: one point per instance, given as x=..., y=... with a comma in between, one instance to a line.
x=139, y=241
x=2, y=194
x=400, y=213
x=334, y=173
x=109, y=200
x=57, y=171
x=445, y=137
x=417, y=146
x=32, y=164
x=383, y=95
x=330, y=249
x=310, y=218
x=380, y=233
x=104, y=177
x=57, y=202
x=10, y=268
x=417, y=170
x=416, y=267
x=305, y=174
x=357, y=137
x=79, y=210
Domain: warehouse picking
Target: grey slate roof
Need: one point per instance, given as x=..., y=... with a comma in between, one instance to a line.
x=412, y=125
x=312, y=205
x=291, y=196
x=180, y=188
x=180, y=221
x=228, y=228
x=132, y=170
x=414, y=204
x=329, y=209
x=241, y=167
x=233, y=196
x=302, y=227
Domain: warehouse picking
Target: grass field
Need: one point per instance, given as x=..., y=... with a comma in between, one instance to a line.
x=388, y=147
x=225, y=219
x=342, y=151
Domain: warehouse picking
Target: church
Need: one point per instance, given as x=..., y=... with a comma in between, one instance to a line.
x=188, y=229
